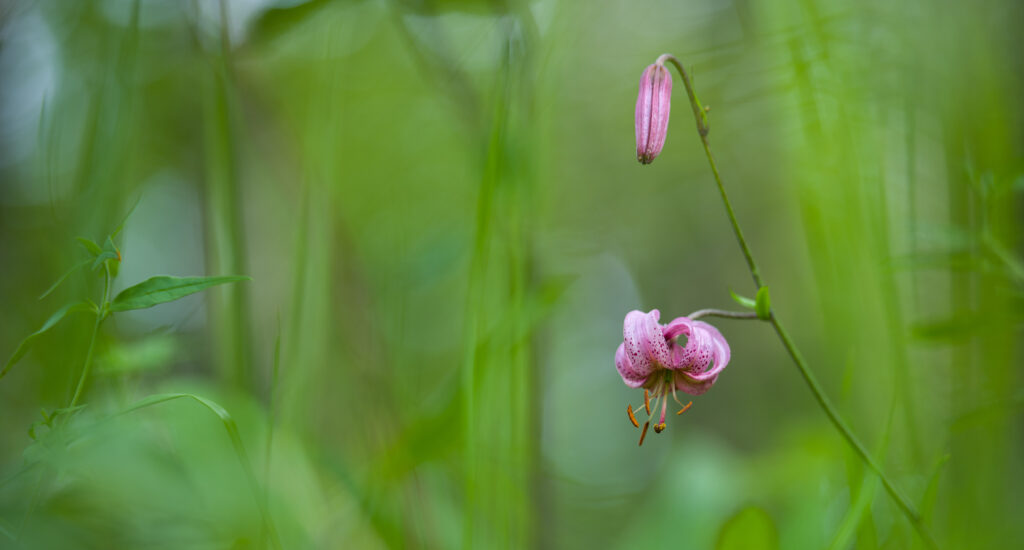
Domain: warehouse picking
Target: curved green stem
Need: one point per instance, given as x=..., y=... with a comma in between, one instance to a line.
x=100, y=314
x=722, y=313
x=700, y=115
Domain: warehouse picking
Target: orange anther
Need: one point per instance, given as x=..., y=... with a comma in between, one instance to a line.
x=629, y=410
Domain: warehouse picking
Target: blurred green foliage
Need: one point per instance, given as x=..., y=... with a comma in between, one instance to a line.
x=440, y=210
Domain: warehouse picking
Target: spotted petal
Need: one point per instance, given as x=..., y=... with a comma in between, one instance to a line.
x=644, y=341
x=705, y=354
x=632, y=376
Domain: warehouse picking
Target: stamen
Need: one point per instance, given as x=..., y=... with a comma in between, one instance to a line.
x=643, y=434
x=647, y=402
x=686, y=406
x=629, y=410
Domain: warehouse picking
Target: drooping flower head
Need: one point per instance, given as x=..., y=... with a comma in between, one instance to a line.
x=651, y=358
x=652, y=108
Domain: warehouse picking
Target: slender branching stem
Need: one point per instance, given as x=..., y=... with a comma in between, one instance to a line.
x=722, y=313
x=700, y=115
x=100, y=314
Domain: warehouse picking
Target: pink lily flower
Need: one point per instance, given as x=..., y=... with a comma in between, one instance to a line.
x=650, y=358
x=652, y=108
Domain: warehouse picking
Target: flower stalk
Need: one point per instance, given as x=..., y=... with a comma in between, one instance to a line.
x=700, y=116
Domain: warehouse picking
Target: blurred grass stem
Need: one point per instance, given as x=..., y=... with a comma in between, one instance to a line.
x=700, y=115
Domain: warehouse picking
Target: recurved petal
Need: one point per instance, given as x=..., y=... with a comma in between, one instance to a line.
x=677, y=327
x=632, y=376
x=644, y=341
x=694, y=387
x=709, y=350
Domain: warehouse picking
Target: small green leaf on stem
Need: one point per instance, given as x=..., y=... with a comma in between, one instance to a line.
x=109, y=246
x=162, y=289
x=743, y=300
x=91, y=246
x=104, y=256
x=53, y=320
x=763, y=305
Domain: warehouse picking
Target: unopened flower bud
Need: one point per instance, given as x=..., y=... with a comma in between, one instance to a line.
x=652, y=107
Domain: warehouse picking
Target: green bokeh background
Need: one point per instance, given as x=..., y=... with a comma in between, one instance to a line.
x=440, y=208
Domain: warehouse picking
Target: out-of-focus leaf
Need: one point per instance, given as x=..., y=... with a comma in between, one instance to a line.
x=963, y=325
x=49, y=418
x=67, y=274
x=859, y=508
x=91, y=246
x=1014, y=267
x=436, y=7
x=276, y=22
x=236, y=443
x=932, y=490
x=148, y=354
x=749, y=529
x=162, y=289
x=763, y=304
x=743, y=300
x=53, y=320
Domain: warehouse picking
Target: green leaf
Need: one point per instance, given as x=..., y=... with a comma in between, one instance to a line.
x=54, y=286
x=749, y=529
x=161, y=289
x=743, y=300
x=763, y=305
x=53, y=320
x=91, y=246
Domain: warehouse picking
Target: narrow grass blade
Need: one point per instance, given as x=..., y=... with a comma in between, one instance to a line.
x=67, y=274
